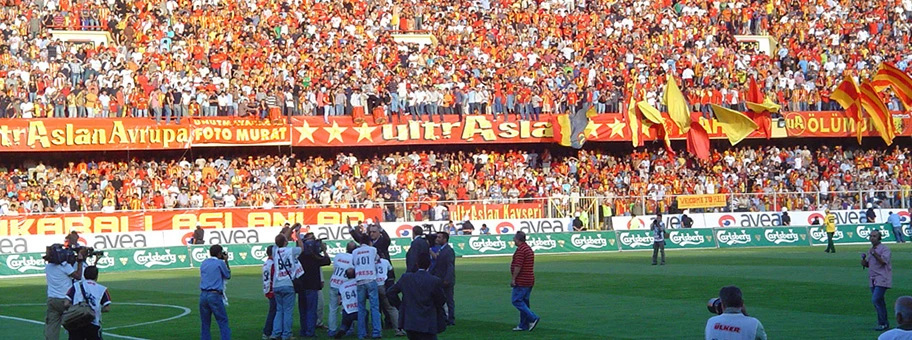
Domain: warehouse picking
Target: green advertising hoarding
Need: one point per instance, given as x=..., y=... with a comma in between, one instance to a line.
x=540, y=243
x=255, y=254
x=677, y=239
x=690, y=239
x=635, y=239
x=114, y=260
x=762, y=237
x=21, y=264
x=591, y=241
x=851, y=233
x=482, y=245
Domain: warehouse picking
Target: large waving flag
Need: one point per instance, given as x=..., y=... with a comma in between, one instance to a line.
x=634, y=123
x=698, y=141
x=846, y=94
x=653, y=115
x=572, y=129
x=880, y=116
x=890, y=76
x=759, y=108
x=734, y=124
x=678, y=109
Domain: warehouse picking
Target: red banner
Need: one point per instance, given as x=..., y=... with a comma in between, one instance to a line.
x=837, y=124
x=132, y=221
x=90, y=134
x=312, y=131
x=478, y=211
x=228, y=131
x=107, y=134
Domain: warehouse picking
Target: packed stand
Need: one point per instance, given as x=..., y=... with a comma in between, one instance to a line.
x=177, y=58
x=759, y=179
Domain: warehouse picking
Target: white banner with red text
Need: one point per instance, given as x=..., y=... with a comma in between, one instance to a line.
x=755, y=219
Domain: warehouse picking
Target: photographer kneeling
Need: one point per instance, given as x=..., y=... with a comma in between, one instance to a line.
x=98, y=299
x=63, y=267
x=732, y=323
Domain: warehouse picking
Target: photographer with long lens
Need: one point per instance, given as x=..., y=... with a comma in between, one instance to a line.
x=732, y=321
x=64, y=265
x=213, y=273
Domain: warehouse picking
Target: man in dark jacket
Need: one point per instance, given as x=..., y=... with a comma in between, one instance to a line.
x=419, y=247
x=870, y=215
x=421, y=312
x=312, y=258
x=379, y=238
x=446, y=271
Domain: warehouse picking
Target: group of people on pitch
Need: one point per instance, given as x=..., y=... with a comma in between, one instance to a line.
x=362, y=286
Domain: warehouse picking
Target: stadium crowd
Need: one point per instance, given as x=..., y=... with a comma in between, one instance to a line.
x=265, y=58
x=758, y=178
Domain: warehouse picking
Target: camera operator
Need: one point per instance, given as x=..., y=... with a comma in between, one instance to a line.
x=733, y=322
x=96, y=296
x=312, y=258
x=60, y=276
x=213, y=273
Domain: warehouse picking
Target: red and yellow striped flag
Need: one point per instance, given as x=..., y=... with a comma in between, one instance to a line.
x=846, y=94
x=878, y=112
x=890, y=76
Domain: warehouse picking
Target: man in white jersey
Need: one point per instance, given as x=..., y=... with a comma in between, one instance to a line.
x=348, y=295
x=364, y=259
x=903, y=331
x=733, y=323
x=287, y=268
x=98, y=298
x=341, y=263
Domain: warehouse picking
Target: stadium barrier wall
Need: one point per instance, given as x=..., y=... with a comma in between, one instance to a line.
x=758, y=219
x=179, y=236
x=244, y=254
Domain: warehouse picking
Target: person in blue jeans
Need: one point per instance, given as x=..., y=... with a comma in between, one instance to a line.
x=268, y=272
x=365, y=260
x=312, y=258
x=287, y=269
x=213, y=273
x=894, y=221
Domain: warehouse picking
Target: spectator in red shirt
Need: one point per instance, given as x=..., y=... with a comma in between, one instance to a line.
x=523, y=272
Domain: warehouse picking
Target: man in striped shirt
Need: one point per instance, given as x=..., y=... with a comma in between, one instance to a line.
x=523, y=279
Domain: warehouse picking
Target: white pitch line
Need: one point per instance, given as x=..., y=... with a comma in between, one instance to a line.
x=184, y=312
x=42, y=323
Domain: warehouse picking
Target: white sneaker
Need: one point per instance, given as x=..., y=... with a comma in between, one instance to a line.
x=533, y=324
x=517, y=329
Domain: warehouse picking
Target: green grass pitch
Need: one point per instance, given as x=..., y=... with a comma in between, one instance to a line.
x=798, y=293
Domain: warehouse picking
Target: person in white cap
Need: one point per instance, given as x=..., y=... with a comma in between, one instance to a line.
x=870, y=215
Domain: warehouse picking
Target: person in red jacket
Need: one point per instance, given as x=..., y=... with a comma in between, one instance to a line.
x=523, y=279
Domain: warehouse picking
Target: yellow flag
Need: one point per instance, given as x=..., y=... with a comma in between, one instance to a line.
x=655, y=117
x=734, y=124
x=767, y=105
x=633, y=121
x=651, y=113
x=678, y=109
